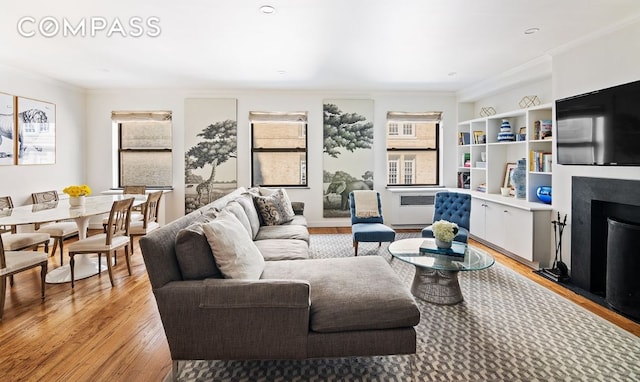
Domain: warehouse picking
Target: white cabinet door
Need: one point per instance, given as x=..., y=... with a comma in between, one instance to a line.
x=495, y=227
x=518, y=226
x=507, y=227
x=477, y=218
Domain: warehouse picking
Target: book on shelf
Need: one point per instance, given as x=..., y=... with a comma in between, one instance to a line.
x=547, y=159
x=466, y=158
x=542, y=129
x=480, y=164
x=545, y=129
x=539, y=161
x=464, y=138
x=464, y=179
x=482, y=187
x=458, y=249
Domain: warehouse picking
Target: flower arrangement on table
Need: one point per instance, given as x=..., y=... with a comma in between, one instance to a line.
x=444, y=231
x=76, y=191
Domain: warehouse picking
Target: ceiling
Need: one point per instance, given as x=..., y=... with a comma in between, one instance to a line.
x=413, y=45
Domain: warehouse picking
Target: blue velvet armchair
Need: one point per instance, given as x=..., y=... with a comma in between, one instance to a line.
x=369, y=229
x=454, y=207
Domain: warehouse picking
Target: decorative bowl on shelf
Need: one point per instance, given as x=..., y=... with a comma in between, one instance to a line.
x=544, y=194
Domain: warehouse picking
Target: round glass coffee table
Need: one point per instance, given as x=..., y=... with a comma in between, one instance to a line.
x=436, y=278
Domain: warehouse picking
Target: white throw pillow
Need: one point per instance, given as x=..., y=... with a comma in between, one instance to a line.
x=235, y=254
x=238, y=211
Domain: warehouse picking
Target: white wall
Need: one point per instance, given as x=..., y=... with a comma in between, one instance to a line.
x=100, y=104
x=20, y=181
x=509, y=100
x=609, y=60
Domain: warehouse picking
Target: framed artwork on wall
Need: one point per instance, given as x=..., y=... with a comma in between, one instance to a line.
x=36, y=126
x=7, y=129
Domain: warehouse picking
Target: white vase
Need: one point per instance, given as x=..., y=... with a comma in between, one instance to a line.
x=76, y=201
x=443, y=244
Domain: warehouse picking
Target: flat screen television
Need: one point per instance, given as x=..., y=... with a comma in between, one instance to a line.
x=600, y=128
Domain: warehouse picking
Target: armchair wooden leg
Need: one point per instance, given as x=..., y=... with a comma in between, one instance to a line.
x=379, y=244
x=3, y=290
x=61, y=245
x=126, y=256
x=355, y=246
x=109, y=267
x=72, y=263
x=43, y=276
x=55, y=246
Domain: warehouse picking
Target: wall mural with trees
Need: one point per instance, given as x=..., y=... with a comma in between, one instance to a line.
x=210, y=165
x=348, y=153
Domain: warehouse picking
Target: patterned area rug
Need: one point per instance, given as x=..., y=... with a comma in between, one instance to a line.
x=508, y=328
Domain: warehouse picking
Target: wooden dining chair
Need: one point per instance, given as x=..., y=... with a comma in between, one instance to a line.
x=59, y=231
x=116, y=237
x=134, y=190
x=12, y=262
x=137, y=211
x=150, y=217
x=14, y=241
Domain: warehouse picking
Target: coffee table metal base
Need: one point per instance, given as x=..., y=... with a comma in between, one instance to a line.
x=435, y=286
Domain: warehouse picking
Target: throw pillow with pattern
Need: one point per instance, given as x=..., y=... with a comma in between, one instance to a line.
x=274, y=209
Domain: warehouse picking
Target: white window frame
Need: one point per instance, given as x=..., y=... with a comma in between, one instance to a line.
x=393, y=171
x=412, y=171
x=411, y=127
x=392, y=128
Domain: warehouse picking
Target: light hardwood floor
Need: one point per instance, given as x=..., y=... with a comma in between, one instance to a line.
x=100, y=333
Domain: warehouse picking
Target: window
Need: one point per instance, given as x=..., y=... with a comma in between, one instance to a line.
x=407, y=129
x=393, y=171
x=393, y=128
x=413, y=148
x=144, y=148
x=279, y=149
x=408, y=170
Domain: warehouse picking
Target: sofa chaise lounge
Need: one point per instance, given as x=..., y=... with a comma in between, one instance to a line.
x=298, y=308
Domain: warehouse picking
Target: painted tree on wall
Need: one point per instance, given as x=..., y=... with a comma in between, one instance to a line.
x=347, y=147
x=350, y=131
x=218, y=144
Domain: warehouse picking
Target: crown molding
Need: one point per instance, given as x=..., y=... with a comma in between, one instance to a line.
x=530, y=71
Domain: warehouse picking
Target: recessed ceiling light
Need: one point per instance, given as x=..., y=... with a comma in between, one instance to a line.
x=451, y=74
x=267, y=9
x=531, y=30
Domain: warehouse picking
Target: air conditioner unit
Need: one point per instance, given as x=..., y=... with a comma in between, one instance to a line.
x=412, y=209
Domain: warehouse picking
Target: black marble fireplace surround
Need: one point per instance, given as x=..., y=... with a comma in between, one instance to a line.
x=592, y=201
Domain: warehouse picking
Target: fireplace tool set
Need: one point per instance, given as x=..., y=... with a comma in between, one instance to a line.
x=559, y=271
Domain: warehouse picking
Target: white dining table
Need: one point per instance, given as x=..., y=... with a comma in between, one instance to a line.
x=85, y=266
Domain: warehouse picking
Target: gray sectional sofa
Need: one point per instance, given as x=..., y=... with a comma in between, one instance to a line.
x=298, y=308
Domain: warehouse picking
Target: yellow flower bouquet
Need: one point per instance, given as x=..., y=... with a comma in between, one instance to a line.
x=75, y=191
